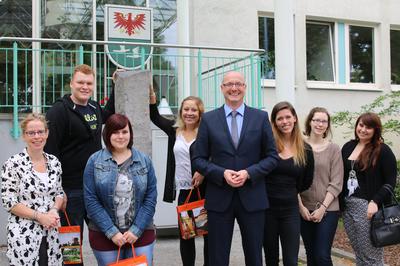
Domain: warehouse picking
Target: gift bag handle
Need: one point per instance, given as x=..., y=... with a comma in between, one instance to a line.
x=66, y=217
x=190, y=194
x=119, y=251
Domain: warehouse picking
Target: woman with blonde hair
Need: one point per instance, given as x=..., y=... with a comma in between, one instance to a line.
x=319, y=205
x=293, y=175
x=32, y=194
x=180, y=175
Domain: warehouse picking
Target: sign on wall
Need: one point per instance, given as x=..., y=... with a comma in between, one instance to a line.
x=128, y=24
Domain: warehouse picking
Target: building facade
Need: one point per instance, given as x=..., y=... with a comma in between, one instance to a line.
x=336, y=54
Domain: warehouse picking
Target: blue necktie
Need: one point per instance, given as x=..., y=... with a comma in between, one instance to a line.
x=234, y=129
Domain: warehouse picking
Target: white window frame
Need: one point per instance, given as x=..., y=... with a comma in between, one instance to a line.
x=358, y=86
x=393, y=87
x=267, y=83
x=334, y=57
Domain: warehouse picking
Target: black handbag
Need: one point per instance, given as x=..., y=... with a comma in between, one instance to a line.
x=385, y=224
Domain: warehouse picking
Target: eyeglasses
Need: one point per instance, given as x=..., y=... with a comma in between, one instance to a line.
x=318, y=121
x=32, y=133
x=231, y=85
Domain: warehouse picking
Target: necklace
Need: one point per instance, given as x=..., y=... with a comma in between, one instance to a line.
x=39, y=165
x=352, y=183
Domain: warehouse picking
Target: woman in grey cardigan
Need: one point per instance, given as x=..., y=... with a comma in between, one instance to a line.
x=319, y=205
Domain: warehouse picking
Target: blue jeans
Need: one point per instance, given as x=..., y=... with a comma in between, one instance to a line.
x=318, y=238
x=106, y=257
x=282, y=223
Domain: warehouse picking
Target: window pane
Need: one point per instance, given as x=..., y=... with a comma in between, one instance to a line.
x=16, y=18
x=319, y=52
x=62, y=20
x=15, y=21
x=395, y=56
x=164, y=59
x=267, y=42
x=67, y=19
x=361, y=54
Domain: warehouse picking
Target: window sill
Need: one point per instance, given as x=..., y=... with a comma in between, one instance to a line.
x=268, y=83
x=395, y=87
x=347, y=87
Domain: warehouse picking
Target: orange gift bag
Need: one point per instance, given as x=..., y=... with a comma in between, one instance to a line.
x=192, y=217
x=134, y=261
x=71, y=244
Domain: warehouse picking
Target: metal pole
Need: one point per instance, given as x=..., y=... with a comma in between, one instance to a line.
x=94, y=48
x=259, y=94
x=183, y=11
x=199, y=76
x=253, y=86
x=216, y=48
x=36, y=60
x=81, y=54
x=142, y=58
x=15, y=130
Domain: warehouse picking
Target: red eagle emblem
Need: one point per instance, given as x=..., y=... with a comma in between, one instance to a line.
x=127, y=23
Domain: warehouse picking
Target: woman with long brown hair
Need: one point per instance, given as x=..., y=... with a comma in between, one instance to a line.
x=369, y=164
x=293, y=175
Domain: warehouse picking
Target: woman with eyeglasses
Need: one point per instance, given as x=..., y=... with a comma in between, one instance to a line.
x=293, y=175
x=319, y=205
x=180, y=175
x=369, y=165
x=32, y=194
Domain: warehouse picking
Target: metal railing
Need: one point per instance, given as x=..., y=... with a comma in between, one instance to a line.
x=33, y=76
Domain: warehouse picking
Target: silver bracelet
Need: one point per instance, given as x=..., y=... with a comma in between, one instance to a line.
x=35, y=215
x=54, y=208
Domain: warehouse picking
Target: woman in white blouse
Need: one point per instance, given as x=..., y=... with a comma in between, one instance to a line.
x=31, y=192
x=179, y=176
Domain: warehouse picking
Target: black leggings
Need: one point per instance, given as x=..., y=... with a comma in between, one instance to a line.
x=188, y=247
x=282, y=223
x=43, y=258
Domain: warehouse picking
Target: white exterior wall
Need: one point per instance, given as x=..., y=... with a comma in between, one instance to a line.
x=235, y=23
x=9, y=146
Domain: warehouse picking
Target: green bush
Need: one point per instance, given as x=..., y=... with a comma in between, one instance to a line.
x=387, y=106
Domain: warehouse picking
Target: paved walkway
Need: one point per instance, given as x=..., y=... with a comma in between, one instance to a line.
x=166, y=253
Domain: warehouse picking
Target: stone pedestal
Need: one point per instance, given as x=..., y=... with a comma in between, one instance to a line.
x=132, y=100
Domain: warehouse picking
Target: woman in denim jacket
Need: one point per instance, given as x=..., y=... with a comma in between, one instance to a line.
x=120, y=192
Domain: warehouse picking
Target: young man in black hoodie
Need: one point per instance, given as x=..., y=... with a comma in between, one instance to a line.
x=75, y=124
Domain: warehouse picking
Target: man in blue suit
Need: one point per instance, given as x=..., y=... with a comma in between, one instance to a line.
x=235, y=150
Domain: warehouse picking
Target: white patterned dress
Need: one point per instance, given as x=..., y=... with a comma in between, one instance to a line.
x=19, y=184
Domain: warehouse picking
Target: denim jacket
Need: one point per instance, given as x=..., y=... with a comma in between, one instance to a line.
x=100, y=178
